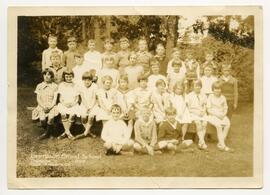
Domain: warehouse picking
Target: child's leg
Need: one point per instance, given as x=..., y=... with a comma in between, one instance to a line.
x=137, y=147
x=226, y=128
x=220, y=136
x=44, y=125
x=184, y=130
x=199, y=132
x=128, y=146
x=204, y=125
x=67, y=122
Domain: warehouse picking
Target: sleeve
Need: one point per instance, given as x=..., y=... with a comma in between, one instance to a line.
x=225, y=106
x=37, y=90
x=154, y=135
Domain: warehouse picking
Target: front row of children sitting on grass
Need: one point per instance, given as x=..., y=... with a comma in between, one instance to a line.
x=158, y=118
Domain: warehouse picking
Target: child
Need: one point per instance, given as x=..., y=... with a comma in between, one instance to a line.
x=79, y=68
x=143, y=56
x=88, y=106
x=145, y=133
x=192, y=70
x=68, y=57
x=108, y=46
x=93, y=58
x=210, y=62
x=56, y=67
x=176, y=56
x=160, y=99
x=142, y=96
x=46, y=99
x=217, y=110
x=229, y=87
x=177, y=75
x=133, y=71
x=152, y=79
x=177, y=100
x=46, y=54
x=207, y=80
x=161, y=57
x=106, y=98
x=169, y=132
x=196, y=102
x=124, y=98
x=68, y=105
x=116, y=134
x=108, y=69
x=123, y=54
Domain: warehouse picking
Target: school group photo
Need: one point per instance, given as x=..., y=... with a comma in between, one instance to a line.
x=140, y=95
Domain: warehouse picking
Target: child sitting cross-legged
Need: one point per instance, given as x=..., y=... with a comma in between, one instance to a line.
x=116, y=134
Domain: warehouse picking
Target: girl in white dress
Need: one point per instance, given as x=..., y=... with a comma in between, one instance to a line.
x=196, y=102
x=177, y=100
x=68, y=105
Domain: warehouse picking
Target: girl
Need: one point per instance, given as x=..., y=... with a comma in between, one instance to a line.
x=160, y=99
x=207, y=80
x=177, y=100
x=196, y=102
x=152, y=79
x=46, y=99
x=68, y=105
x=217, y=109
x=106, y=98
x=178, y=74
x=143, y=56
x=176, y=56
x=88, y=106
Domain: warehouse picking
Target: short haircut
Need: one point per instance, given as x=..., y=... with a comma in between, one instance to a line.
x=216, y=85
x=123, y=77
x=142, y=78
x=87, y=76
x=124, y=39
x=67, y=72
x=48, y=70
x=109, y=57
x=91, y=41
x=160, y=45
x=177, y=62
x=197, y=82
x=108, y=40
x=71, y=39
x=116, y=107
x=132, y=54
x=154, y=62
x=105, y=78
x=170, y=111
x=178, y=84
x=55, y=54
x=145, y=109
x=160, y=82
x=52, y=37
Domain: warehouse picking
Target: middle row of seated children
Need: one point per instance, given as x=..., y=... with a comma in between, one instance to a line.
x=98, y=103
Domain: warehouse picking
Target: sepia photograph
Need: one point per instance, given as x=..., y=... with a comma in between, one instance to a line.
x=135, y=93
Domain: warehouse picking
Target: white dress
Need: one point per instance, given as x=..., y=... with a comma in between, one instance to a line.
x=179, y=103
x=114, y=73
x=94, y=60
x=133, y=72
x=207, y=83
x=197, y=103
x=161, y=102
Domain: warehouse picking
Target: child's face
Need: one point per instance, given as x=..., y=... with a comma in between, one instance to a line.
x=68, y=78
x=142, y=45
x=78, y=60
x=72, y=45
x=171, y=118
x=87, y=82
x=56, y=61
x=179, y=90
x=133, y=59
x=197, y=88
x=107, y=84
x=160, y=50
x=155, y=69
x=207, y=72
x=47, y=77
x=124, y=45
x=226, y=72
x=91, y=46
x=123, y=84
x=209, y=57
x=176, y=68
x=143, y=84
x=189, y=56
x=217, y=91
x=116, y=114
x=161, y=88
x=108, y=46
x=145, y=116
x=52, y=42
x=176, y=55
x=109, y=62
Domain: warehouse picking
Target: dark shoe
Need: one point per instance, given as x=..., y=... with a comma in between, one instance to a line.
x=44, y=135
x=62, y=136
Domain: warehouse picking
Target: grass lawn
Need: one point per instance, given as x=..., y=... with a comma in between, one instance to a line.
x=85, y=157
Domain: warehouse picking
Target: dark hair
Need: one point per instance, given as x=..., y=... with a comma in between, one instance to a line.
x=48, y=70
x=216, y=85
x=142, y=78
x=116, y=106
x=67, y=72
x=160, y=82
x=197, y=82
x=87, y=75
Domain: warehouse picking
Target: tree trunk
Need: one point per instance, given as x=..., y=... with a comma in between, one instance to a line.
x=97, y=36
x=172, y=23
x=108, y=27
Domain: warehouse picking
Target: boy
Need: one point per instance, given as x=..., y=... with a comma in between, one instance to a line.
x=116, y=134
x=93, y=58
x=152, y=79
x=46, y=54
x=217, y=110
x=108, y=46
x=145, y=133
x=143, y=56
x=229, y=87
x=79, y=68
x=68, y=57
x=123, y=54
x=133, y=71
x=207, y=80
x=210, y=62
x=161, y=58
x=56, y=67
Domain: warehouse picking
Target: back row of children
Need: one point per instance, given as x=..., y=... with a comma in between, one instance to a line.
x=128, y=86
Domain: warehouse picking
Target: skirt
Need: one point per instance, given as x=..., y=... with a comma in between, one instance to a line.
x=74, y=110
x=38, y=113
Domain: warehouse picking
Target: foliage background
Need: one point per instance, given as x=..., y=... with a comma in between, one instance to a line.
x=229, y=45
